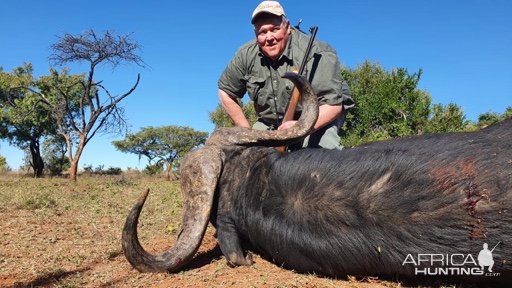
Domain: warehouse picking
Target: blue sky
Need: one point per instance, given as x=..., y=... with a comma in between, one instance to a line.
x=463, y=47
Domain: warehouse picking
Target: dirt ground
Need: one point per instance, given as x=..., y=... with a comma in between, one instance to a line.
x=57, y=233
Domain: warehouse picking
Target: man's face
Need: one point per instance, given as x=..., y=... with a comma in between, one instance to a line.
x=272, y=34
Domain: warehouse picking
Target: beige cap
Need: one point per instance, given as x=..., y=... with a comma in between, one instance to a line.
x=272, y=7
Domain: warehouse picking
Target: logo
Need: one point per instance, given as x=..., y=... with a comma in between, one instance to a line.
x=436, y=264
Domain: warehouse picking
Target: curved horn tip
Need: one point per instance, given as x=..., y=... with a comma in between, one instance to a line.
x=297, y=79
x=291, y=75
x=144, y=195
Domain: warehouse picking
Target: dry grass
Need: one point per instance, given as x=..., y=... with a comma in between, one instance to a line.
x=57, y=233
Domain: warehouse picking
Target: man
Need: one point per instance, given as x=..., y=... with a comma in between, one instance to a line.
x=485, y=258
x=257, y=68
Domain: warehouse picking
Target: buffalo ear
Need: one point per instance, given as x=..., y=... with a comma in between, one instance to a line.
x=200, y=172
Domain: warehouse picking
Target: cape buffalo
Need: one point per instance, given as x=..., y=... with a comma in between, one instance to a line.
x=421, y=205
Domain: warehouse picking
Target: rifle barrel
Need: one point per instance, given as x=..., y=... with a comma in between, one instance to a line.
x=495, y=246
x=313, y=31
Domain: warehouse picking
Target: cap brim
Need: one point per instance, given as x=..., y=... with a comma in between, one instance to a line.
x=261, y=13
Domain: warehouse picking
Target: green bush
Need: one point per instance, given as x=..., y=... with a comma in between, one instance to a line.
x=3, y=164
x=153, y=169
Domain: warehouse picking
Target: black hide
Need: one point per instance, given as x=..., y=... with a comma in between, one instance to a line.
x=361, y=211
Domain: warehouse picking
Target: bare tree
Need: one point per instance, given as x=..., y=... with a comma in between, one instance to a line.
x=82, y=106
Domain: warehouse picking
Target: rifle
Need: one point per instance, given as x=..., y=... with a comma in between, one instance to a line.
x=294, y=100
x=495, y=246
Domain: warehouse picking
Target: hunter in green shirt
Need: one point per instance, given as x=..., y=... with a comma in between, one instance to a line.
x=257, y=68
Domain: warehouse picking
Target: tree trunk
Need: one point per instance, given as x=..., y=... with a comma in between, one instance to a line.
x=73, y=160
x=37, y=160
x=73, y=170
x=168, y=167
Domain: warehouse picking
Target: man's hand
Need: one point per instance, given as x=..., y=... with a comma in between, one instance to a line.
x=326, y=115
x=287, y=125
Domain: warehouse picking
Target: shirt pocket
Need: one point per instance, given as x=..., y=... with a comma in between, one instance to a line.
x=255, y=85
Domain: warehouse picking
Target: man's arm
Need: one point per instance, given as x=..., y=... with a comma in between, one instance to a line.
x=327, y=114
x=233, y=109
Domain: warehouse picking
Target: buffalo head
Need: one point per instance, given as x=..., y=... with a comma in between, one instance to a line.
x=200, y=171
